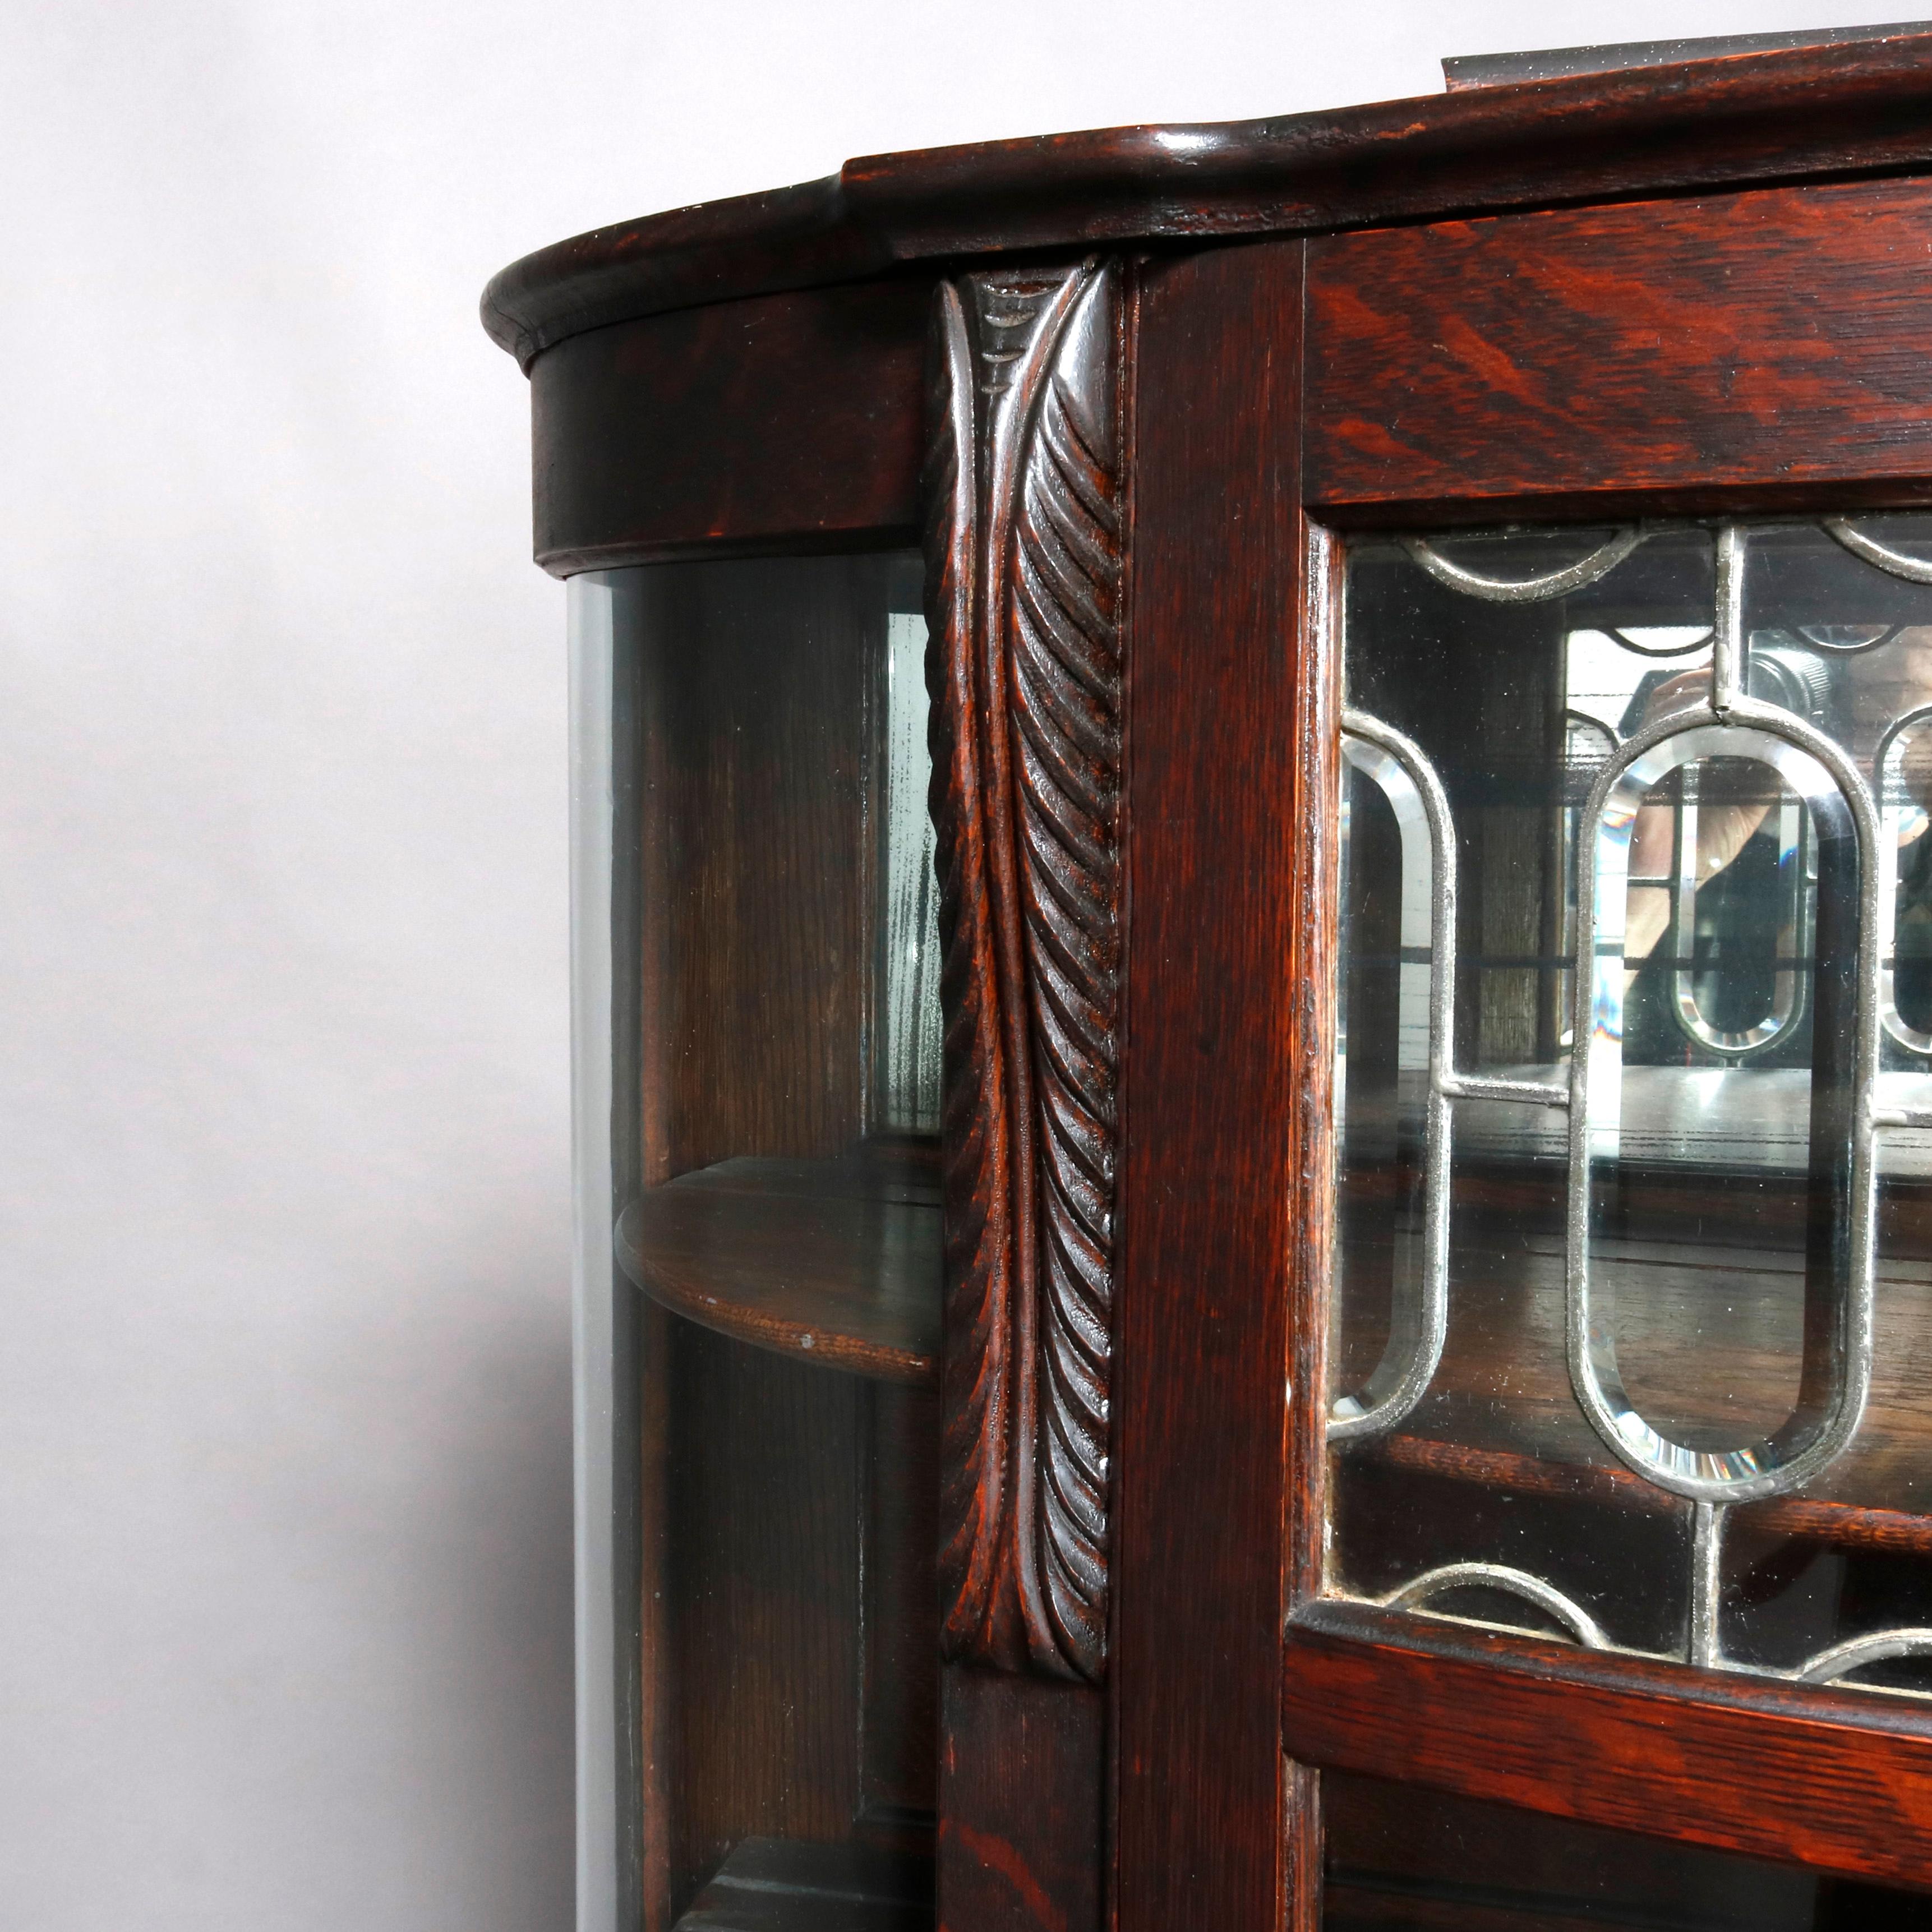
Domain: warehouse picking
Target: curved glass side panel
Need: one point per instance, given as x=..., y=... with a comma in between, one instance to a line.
x=758, y=1035
x=1670, y=1135
x=604, y=1384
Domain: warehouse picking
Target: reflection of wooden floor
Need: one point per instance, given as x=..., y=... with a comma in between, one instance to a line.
x=1708, y=1337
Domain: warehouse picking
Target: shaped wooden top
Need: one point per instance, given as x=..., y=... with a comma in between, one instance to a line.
x=1784, y=114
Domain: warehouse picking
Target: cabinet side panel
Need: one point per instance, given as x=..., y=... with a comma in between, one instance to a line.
x=898, y=1715
x=764, y=1564
x=1206, y=1221
x=759, y=681
x=1676, y=346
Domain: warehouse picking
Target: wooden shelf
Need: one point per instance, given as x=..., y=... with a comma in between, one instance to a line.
x=776, y=1884
x=1704, y=1283
x=1842, y=1525
x=836, y=1262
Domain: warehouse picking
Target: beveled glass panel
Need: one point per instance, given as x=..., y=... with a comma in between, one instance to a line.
x=1649, y=1082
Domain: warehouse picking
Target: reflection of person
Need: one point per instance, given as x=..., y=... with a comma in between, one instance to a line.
x=1877, y=686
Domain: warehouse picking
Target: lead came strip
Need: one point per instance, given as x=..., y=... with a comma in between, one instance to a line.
x=1405, y=778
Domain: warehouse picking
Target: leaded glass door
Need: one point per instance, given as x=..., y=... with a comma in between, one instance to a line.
x=1616, y=1601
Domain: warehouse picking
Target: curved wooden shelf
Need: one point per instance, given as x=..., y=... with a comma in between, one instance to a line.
x=835, y=1262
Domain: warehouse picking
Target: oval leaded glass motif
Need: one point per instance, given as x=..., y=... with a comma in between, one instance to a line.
x=1633, y=1304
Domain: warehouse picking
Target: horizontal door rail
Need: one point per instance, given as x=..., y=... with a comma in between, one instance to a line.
x=1767, y=1767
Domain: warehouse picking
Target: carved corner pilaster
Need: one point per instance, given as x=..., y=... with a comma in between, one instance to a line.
x=1025, y=530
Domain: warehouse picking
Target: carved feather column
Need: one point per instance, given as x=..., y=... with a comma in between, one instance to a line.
x=1024, y=535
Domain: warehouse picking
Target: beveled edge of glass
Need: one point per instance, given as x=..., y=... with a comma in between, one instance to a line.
x=1398, y=768
x=1414, y=1594
x=1578, y=576
x=1776, y=1465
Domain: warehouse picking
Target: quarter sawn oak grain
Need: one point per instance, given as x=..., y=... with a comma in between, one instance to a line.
x=1775, y=339
x=1208, y=1110
x=1830, y=1778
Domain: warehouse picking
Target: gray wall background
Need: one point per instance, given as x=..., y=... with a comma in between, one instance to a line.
x=284, y=1376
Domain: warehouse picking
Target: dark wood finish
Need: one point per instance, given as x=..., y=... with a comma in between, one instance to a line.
x=1022, y=1802
x=1841, y=1781
x=1366, y=1905
x=640, y=432
x=1694, y=1355
x=1403, y=1858
x=898, y=1716
x=1839, y=1526
x=1313, y=1208
x=764, y=1559
x=1303, y=1833
x=1460, y=70
x=1212, y=1131
x=1781, y=115
x=758, y=679
x=1023, y=596
x=639, y=1393
x=1770, y=338
x=769, y=1252
x=775, y=1885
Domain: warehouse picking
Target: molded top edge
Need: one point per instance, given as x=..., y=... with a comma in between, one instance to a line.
x=1785, y=114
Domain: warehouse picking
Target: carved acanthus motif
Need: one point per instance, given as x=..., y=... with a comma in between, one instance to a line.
x=1025, y=528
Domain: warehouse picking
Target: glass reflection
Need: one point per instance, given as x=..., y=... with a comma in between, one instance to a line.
x=910, y=1032
x=1652, y=866
x=1903, y=763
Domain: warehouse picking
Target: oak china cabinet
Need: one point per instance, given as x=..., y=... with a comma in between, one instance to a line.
x=1253, y=909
